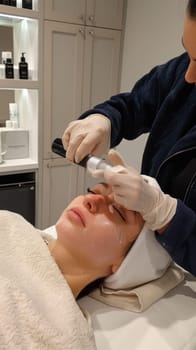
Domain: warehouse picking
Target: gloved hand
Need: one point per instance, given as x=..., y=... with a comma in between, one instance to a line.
x=87, y=136
x=139, y=193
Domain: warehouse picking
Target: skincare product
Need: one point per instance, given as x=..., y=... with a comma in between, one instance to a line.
x=5, y=55
x=27, y=4
x=9, y=69
x=2, y=71
x=17, y=143
x=8, y=124
x=23, y=67
x=13, y=113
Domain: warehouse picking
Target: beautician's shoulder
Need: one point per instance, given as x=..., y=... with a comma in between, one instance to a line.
x=166, y=76
x=173, y=68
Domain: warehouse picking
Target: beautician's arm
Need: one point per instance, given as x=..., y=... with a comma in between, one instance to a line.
x=179, y=237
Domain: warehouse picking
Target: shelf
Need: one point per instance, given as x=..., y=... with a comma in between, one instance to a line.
x=18, y=165
x=18, y=12
x=11, y=84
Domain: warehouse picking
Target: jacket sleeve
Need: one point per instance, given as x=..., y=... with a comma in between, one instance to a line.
x=179, y=239
x=132, y=113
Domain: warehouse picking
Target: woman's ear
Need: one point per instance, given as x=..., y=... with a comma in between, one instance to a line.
x=114, y=268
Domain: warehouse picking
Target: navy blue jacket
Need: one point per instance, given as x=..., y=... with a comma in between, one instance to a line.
x=164, y=105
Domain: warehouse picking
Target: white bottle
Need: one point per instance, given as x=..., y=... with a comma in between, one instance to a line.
x=13, y=113
x=2, y=146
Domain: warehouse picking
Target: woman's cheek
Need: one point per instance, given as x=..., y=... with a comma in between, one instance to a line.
x=107, y=236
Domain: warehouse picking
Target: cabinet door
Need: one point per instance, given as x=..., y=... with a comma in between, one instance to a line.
x=72, y=11
x=105, y=13
x=63, y=67
x=101, y=65
x=59, y=188
x=101, y=75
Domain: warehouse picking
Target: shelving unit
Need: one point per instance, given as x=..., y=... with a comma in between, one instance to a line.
x=12, y=11
x=17, y=84
x=25, y=27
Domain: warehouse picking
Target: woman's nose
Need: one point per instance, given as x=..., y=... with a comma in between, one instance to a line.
x=190, y=75
x=93, y=202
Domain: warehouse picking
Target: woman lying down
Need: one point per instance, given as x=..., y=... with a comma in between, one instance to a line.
x=40, y=280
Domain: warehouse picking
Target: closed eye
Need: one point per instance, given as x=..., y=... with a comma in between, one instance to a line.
x=113, y=206
x=119, y=212
x=90, y=191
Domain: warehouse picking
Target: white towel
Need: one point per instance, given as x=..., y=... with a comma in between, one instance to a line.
x=147, y=260
x=140, y=298
x=37, y=307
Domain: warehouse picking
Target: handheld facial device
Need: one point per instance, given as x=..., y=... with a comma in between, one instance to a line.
x=89, y=162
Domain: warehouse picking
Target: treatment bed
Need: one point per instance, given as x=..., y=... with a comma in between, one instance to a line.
x=168, y=324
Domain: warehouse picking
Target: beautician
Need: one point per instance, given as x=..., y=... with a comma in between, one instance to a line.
x=162, y=103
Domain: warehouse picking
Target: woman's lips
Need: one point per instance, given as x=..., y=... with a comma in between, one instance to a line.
x=76, y=213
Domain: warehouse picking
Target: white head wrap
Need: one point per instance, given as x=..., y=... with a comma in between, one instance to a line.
x=147, y=260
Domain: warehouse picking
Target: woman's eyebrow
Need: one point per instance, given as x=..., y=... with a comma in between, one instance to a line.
x=101, y=188
x=95, y=191
x=103, y=184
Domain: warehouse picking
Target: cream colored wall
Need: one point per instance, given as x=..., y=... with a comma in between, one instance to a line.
x=152, y=36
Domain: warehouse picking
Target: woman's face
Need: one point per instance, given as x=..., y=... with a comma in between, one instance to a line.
x=96, y=231
x=189, y=43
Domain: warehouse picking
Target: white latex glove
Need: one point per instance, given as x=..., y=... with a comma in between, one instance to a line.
x=87, y=136
x=138, y=193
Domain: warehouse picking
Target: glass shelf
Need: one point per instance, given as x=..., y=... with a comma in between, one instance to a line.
x=15, y=12
x=18, y=165
x=12, y=84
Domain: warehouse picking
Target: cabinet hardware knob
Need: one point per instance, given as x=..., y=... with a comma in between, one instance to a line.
x=82, y=18
x=82, y=31
x=91, y=32
x=91, y=18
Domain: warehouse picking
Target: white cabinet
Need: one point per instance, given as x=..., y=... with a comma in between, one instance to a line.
x=101, y=65
x=81, y=69
x=105, y=13
x=63, y=72
x=60, y=182
x=99, y=13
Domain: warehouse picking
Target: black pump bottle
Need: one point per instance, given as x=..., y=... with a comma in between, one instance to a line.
x=23, y=68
